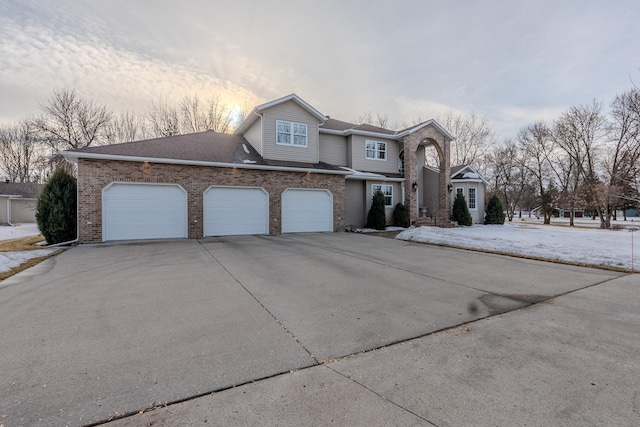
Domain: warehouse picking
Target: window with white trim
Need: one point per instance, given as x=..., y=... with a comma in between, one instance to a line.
x=387, y=190
x=471, y=201
x=375, y=150
x=291, y=133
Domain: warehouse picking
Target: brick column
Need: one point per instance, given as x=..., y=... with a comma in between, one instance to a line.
x=410, y=149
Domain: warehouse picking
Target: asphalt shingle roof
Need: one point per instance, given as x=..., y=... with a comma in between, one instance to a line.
x=29, y=190
x=206, y=146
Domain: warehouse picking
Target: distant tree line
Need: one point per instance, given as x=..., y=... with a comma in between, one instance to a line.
x=29, y=148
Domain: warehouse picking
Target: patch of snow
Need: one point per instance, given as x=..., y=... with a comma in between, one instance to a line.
x=248, y=161
x=610, y=248
x=9, y=260
x=8, y=232
x=246, y=150
x=471, y=175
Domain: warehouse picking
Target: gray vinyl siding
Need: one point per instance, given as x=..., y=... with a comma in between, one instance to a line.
x=476, y=214
x=397, y=198
x=355, y=203
x=333, y=149
x=430, y=192
x=291, y=112
x=254, y=136
x=359, y=161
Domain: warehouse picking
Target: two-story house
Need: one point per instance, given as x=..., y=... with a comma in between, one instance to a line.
x=287, y=168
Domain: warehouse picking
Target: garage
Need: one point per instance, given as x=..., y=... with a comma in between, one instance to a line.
x=135, y=211
x=307, y=210
x=230, y=211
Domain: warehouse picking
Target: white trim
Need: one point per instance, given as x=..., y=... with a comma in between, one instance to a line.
x=167, y=184
x=74, y=155
x=375, y=150
x=204, y=211
x=475, y=198
x=384, y=185
x=292, y=134
x=295, y=98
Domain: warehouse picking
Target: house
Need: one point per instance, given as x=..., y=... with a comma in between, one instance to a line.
x=18, y=202
x=287, y=168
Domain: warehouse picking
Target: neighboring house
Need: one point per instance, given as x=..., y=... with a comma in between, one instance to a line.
x=18, y=202
x=288, y=168
x=465, y=179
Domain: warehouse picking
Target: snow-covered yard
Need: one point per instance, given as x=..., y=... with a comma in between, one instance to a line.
x=9, y=260
x=584, y=244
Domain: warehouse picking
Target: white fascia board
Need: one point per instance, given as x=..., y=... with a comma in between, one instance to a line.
x=375, y=178
x=425, y=124
x=471, y=169
x=246, y=123
x=359, y=132
x=295, y=98
x=74, y=156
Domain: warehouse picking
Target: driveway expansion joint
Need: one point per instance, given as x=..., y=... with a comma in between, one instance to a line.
x=284, y=328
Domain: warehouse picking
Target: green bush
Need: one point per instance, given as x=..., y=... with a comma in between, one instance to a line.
x=401, y=216
x=376, y=218
x=495, y=211
x=56, y=211
x=461, y=211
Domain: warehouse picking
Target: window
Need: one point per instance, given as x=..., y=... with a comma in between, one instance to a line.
x=472, y=198
x=375, y=150
x=387, y=190
x=290, y=133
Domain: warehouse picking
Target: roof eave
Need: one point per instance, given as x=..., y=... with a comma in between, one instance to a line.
x=295, y=98
x=73, y=156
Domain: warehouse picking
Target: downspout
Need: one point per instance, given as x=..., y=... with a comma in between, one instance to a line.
x=9, y=211
x=261, y=133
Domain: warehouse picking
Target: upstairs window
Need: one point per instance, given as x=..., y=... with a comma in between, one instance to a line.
x=290, y=133
x=375, y=150
x=387, y=190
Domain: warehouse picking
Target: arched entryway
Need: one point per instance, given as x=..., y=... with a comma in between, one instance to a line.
x=419, y=198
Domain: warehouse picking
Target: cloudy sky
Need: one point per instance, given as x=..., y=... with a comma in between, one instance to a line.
x=512, y=61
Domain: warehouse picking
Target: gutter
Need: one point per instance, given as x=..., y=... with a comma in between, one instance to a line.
x=74, y=156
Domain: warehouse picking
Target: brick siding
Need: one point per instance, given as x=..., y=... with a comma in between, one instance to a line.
x=94, y=175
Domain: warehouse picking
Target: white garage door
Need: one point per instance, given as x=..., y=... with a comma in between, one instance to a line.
x=230, y=211
x=144, y=211
x=305, y=210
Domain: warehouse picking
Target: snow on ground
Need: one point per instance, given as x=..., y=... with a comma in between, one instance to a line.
x=583, y=244
x=8, y=232
x=9, y=260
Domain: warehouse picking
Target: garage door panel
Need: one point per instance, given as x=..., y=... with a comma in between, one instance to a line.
x=307, y=210
x=144, y=211
x=232, y=211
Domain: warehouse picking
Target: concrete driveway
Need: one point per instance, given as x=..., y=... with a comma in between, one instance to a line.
x=315, y=329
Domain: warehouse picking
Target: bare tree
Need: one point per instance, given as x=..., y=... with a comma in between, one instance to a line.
x=536, y=144
x=69, y=122
x=378, y=119
x=164, y=120
x=510, y=175
x=581, y=132
x=21, y=153
x=473, y=136
x=620, y=160
x=126, y=127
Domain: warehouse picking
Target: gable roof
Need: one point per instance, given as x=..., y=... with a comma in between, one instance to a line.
x=203, y=148
x=255, y=113
x=339, y=127
x=28, y=190
x=467, y=173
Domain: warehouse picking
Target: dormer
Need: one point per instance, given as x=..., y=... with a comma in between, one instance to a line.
x=284, y=129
